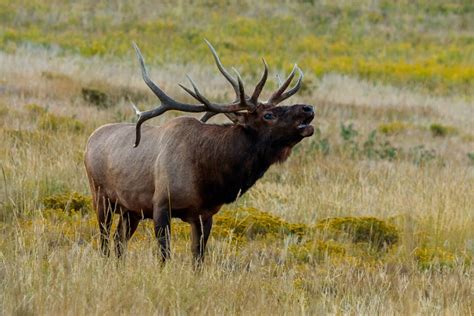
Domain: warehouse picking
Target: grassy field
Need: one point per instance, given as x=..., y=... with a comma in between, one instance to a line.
x=371, y=215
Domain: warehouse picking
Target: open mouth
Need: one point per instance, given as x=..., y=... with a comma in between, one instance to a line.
x=305, y=128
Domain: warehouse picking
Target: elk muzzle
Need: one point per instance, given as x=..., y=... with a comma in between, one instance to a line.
x=304, y=127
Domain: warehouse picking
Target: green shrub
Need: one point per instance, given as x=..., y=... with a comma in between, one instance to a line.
x=392, y=128
x=316, y=251
x=69, y=201
x=377, y=233
x=470, y=156
x=96, y=97
x=250, y=223
x=428, y=258
x=387, y=151
x=348, y=133
x=438, y=130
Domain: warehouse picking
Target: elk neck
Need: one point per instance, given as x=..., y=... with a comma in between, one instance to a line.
x=235, y=159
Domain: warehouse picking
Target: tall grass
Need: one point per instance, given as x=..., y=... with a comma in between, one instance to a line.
x=375, y=155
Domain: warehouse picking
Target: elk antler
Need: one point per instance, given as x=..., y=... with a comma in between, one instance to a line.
x=168, y=103
x=241, y=103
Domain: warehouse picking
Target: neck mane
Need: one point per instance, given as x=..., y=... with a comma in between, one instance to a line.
x=235, y=158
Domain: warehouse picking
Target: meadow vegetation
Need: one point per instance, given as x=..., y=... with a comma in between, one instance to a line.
x=371, y=215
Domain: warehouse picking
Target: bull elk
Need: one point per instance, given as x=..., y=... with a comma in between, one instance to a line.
x=187, y=168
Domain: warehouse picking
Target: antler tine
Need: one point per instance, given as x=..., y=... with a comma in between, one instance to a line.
x=260, y=84
x=197, y=94
x=242, y=97
x=223, y=71
x=135, y=108
x=277, y=96
x=188, y=90
x=295, y=88
x=209, y=115
x=166, y=101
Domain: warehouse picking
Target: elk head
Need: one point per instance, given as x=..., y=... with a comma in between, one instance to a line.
x=281, y=126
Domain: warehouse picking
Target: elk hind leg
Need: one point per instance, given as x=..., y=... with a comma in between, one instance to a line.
x=104, y=217
x=127, y=225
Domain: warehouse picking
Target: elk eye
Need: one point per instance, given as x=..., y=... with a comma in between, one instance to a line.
x=268, y=116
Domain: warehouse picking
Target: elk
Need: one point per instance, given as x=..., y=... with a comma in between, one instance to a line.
x=188, y=168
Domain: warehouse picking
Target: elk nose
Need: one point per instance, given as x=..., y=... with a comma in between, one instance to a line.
x=308, y=108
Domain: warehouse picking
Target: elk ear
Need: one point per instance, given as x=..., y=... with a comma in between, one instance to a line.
x=237, y=118
x=242, y=118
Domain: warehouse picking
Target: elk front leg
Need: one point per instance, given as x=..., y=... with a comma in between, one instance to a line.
x=200, y=230
x=162, y=223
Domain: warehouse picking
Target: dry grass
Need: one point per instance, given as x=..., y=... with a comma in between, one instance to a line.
x=49, y=264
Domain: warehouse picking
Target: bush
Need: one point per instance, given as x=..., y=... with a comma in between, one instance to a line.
x=96, y=97
x=470, y=156
x=377, y=233
x=392, y=128
x=70, y=201
x=428, y=258
x=316, y=251
x=438, y=130
x=348, y=133
x=250, y=223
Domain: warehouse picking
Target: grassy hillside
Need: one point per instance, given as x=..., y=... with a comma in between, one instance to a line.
x=371, y=215
x=423, y=43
